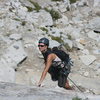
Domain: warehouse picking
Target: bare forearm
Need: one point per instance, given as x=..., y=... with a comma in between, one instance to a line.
x=42, y=77
x=47, y=66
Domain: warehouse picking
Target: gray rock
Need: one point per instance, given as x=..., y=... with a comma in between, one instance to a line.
x=94, y=36
x=20, y=92
x=42, y=18
x=78, y=45
x=87, y=59
x=54, y=43
x=7, y=74
x=62, y=8
x=85, y=51
x=96, y=51
x=13, y=55
x=61, y=22
x=96, y=3
x=15, y=37
x=94, y=23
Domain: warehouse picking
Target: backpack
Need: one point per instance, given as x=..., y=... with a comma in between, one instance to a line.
x=64, y=68
x=61, y=54
x=66, y=60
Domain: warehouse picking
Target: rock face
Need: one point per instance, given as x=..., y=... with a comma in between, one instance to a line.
x=76, y=25
x=14, y=55
x=10, y=91
x=7, y=74
x=87, y=59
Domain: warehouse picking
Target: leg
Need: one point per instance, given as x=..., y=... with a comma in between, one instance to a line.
x=67, y=86
x=62, y=80
x=54, y=73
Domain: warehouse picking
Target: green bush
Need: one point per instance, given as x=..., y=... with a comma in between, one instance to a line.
x=73, y=1
x=69, y=37
x=36, y=5
x=44, y=29
x=76, y=98
x=23, y=23
x=46, y=9
x=17, y=19
x=57, y=0
x=54, y=14
x=30, y=9
x=58, y=39
x=67, y=47
x=29, y=30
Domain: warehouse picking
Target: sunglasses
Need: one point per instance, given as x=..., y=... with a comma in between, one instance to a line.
x=41, y=45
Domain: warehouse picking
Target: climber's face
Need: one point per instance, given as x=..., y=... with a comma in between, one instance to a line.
x=42, y=47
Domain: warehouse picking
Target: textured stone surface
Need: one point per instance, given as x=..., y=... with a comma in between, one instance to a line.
x=10, y=91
